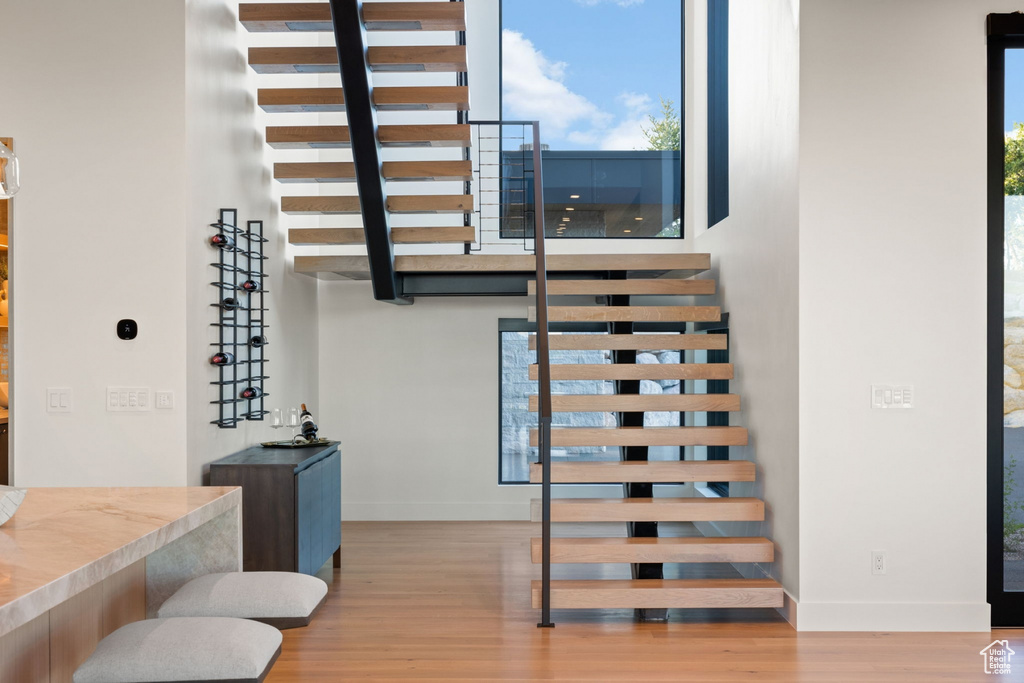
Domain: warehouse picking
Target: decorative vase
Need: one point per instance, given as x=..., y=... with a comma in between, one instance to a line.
x=3, y=299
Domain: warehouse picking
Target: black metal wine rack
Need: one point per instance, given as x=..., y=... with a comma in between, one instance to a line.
x=241, y=321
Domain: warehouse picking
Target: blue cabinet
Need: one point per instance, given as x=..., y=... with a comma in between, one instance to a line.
x=291, y=505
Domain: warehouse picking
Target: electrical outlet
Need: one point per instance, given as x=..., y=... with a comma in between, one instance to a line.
x=164, y=400
x=878, y=563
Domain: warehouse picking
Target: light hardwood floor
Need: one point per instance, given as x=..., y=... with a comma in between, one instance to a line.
x=450, y=601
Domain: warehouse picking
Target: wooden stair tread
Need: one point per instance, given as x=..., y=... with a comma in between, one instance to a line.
x=434, y=235
x=651, y=510
x=345, y=171
x=458, y=203
x=633, y=342
x=318, y=59
x=636, y=403
x=662, y=286
x=414, y=16
x=652, y=471
x=394, y=98
x=655, y=550
x=644, y=436
x=278, y=17
x=629, y=313
x=652, y=371
x=337, y=137
x=660, y=593
x=475, y=263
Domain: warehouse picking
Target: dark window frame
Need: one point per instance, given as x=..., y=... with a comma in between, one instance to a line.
x=718, y=111
x=1005, y=31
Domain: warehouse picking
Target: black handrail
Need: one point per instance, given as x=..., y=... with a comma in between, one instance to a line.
x=543, y=381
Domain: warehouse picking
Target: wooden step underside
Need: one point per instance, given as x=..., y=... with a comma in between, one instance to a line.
x=377, y=16
x=663, y=286
x=382, y=58
x=309, y=237
x=479, y=263
x=655, y=550
x=648, y=472
x=337, y=137
x=651, y=510
x=644, y=436
x=325, y=100
x=437, y=203
x=633, y=342
x=628, y=313
x=652, y=371
x=345, y=171
x=661, y=593
x=639, y=403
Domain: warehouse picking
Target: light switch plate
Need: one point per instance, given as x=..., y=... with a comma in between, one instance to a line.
x=128, y=399
x=59, y=400
x=892, y=396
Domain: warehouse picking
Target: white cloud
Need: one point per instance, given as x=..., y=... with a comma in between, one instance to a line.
x=620, y=3
x=533, y=88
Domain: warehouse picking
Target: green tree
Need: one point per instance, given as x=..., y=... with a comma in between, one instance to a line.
x=664, y=133
x=1014, y=181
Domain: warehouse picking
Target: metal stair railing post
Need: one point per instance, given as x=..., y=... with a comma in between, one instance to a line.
x=543, y=381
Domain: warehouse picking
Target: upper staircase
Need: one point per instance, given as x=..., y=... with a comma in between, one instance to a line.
x=621, y=304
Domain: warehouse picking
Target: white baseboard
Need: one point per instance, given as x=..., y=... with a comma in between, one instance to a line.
x=893, y=616
x=435, y=512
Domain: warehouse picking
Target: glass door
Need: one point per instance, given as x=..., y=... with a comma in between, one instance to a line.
x=1006, y=320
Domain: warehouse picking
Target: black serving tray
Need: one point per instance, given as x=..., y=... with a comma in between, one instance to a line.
x=292, y=444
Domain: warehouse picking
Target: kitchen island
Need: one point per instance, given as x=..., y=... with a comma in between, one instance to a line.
x=78, y=563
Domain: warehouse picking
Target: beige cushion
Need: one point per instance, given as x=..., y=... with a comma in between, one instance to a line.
x=281, y=599
x=166, y=650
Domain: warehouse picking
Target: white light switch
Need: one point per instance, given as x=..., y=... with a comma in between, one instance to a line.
x=128, y=399
x=888, y=396
x=58, y=400
x=164, y=399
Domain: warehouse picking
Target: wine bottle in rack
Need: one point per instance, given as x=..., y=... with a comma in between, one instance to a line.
x=308, y=427
x=252, y=393
x=258, y=341
x=250, y=286
x=223, y=241
x=222, y=358
x=230, y=303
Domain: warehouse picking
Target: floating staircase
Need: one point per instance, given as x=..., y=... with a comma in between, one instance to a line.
x=610, y=301
x=599, y=289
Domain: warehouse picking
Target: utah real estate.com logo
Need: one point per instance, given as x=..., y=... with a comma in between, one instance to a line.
x=997, y=657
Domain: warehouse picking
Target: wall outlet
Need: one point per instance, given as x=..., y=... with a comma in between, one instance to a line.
x=128, y=399
x=164, y=400
x=878, y=562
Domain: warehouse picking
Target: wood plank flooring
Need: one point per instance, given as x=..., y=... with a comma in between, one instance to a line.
x=450, y=601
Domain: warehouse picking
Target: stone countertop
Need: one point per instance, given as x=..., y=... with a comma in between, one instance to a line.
x=64, y=540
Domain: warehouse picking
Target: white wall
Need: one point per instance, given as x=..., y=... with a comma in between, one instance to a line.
x=130, y=140
x=892, y=290
x=754, y=259
x=413, y=392
x=96, y=107
x=230, y=166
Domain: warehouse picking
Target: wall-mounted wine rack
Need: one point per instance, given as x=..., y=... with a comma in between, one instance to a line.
x=240, y=351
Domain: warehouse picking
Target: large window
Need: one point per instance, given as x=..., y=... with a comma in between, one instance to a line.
x=604, y=78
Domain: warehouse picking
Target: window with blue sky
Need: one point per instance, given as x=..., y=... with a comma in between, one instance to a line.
x=604, y=79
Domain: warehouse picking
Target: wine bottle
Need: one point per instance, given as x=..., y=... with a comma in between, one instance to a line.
x=252, y=393
x=307, y=425
x=250, y=286
x=223, y=241
x=230, y=303
x=258, y=341
x=222, y=358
